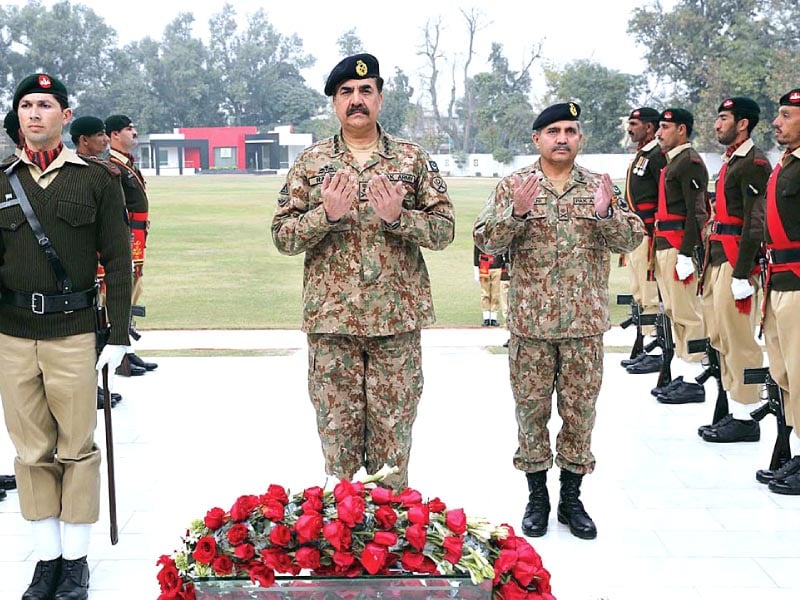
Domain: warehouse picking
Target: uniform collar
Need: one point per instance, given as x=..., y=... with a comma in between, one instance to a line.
x=65, y=156
x=677, y=150
x=385, y=146
x=741, y=150
x=123, y=157
x=650, y=145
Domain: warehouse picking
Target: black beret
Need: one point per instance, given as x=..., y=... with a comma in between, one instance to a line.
x=646, y=114
x=564, y=111
x=740, y=105
x=358, y=66
x=86, y=126
x=117, y=123
x=11, y=125
x=41, y=83
x=679, y=116
x=790, y=98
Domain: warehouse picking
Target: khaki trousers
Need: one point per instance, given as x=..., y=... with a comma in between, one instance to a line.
x=681, y=304
x=732, y=332
x=490, y=290
x=49, y=402
x=645, y=293
x=782, y=338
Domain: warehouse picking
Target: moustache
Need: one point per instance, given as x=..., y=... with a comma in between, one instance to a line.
x=357, y=109
x=561, y=147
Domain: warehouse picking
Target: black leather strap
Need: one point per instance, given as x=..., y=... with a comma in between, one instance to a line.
x=62, y=279
x=781, y=257
x=41, y=304
x=670, y=225
x=138, y=224
x=724, y=229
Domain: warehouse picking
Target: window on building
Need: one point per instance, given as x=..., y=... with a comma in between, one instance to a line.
x=475, y=162
x=225, y=157
x=144, y=157
x=163, y=157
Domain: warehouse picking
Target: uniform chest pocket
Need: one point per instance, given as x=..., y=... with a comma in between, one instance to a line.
x=12, y=218
x=792, y=190
x=75, y=214
x=535, y=229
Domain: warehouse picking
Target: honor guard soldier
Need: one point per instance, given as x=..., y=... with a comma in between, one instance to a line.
x=680, y=216
x=730, y=278
x=782, y=302
x=59, y=214
x=641, y=194
x=361, y=205
x=489, y=270
x=123, y=138
x=561, y=222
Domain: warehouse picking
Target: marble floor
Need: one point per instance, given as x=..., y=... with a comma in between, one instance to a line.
x=677, y=517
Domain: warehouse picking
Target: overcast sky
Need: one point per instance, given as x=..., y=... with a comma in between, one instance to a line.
x=570, y=30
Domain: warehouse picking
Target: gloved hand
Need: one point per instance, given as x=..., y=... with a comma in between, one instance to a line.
x=477, y=275
x=741, y=289
x=685, y=267
x=112, y=356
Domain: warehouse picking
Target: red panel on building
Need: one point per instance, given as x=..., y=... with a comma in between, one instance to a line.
x=218, y=137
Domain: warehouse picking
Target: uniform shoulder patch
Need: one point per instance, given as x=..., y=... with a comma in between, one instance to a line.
x=8, y=161
x=108, y=166
x=438, y=184
x=696, y=159
x=761, y=162
x=283, y=195
x=432, y=166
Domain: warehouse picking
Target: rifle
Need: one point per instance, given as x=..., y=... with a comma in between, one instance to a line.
x=713, y=370
x=774, y=405
x=137, y=310
x=638, y=319
x=103, y=330
x=666, y=343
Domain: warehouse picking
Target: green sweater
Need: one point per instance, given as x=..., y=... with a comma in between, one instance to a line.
x=82, y=212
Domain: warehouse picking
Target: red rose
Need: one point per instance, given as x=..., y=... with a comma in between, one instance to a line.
x=308, y=527
x=417, y=535
x=338, y=535
x=412, y=561
x=456, y=520
x=215, y=518
x=277, y=492
x=428, y=567
x=237, y=533
x=382, y=495
x=307, y=557
x=543, y=580
x=419, y=514
x=169, y=579
x=453, y=547
x=511, y=591
x=222, y=565
x=261, y=575
x=280, y=535
x=350, y=510
x=343, y=489
x=385, y=516
x=409, y=497
x=244, y=552
x=524, y=572
x=243, y=506
x=504, y=563
x=437, y=506
x=279, y=561
x=273, y=510
x=205, y=550
x=313, y=492
x=374, y=557
x=313, y=504
x=343, y=559
x=385, y=538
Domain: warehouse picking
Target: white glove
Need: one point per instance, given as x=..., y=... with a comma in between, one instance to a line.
x=685, y=267
x=112, y=356
x=741, y=289
x=477, y=275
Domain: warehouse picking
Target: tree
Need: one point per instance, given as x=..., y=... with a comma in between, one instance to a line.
x=349, y=43
x=604, y=95
x=397, y=106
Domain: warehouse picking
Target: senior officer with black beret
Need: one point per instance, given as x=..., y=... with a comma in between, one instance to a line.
x=48, y=345
x=361, y=205
x=560, y=222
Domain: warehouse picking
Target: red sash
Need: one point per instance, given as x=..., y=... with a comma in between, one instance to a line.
x=730, y=241
x=139, y=226
x=485, y=262
x=780, y=241
x=674, y=237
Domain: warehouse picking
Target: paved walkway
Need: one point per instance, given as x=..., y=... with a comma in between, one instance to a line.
x=677, y=518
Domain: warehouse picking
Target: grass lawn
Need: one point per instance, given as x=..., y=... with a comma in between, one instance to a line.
x=211, y=263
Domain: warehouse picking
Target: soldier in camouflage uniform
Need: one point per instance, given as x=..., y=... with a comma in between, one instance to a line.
x=561, y=222
x=361, y=205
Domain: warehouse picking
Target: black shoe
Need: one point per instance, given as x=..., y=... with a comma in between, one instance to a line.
x=126, y=369
x=789, y=486
x=684, y=393
x=138, y=362
x=735, y=430
x=505, y=344
x=627, y=362
x=703, y=428
x=570, y=509
x=45, y=579
x=8, y=482
x=790, y=467
x=486, y=322
x=74, y=582
x=649, y=364
x=2, y=495
x=115, y=399
x=494, y=323
x=656, y=391
x=537, y=511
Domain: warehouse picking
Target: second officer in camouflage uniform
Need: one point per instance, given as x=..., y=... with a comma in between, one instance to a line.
x=361, y=205
x=561, y=222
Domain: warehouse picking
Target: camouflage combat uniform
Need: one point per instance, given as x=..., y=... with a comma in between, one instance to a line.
x=558, y=308
x=366, y=296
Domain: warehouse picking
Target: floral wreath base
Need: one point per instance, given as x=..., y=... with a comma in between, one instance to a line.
x=358, y=529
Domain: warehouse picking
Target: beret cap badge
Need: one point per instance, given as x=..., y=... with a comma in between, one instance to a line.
x=794, y=97
x=573, y=110
x=361, y=68
x=728, y=103
x=668, y=115
x=44, y=81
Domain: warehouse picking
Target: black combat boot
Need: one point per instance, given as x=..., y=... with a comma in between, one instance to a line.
x=74, y=581
x=537, y=511
x=136, y=361
x=45, y=579
x=570, y=508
